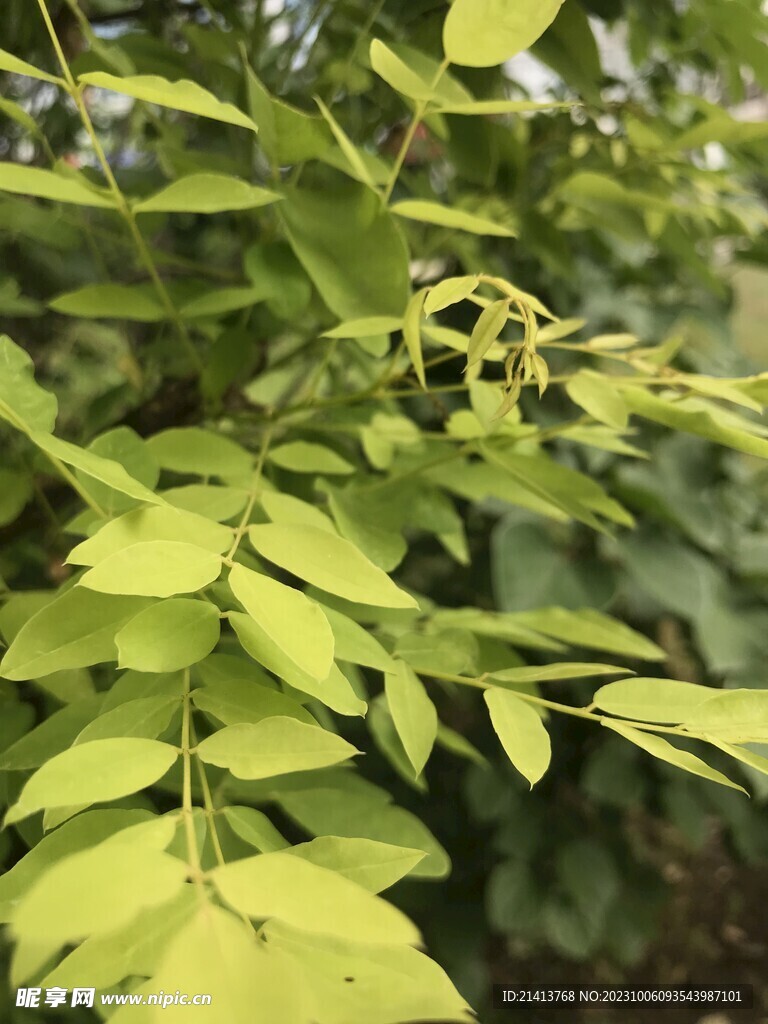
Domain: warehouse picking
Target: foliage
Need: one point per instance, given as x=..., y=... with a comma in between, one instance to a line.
x=259, y=305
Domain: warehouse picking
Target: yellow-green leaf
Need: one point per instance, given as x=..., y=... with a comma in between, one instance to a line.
x=168, y=636
x=521, y=732
x=595, y=395
x=448, y=217
x=96, y=891
x=412, y=333
x=738, y=716
x=482, y=33
x=154, y=523
x=23, y=403
x=449, y=292
x=489, y=326
x=311, y=898
x=660, y=748
x=106, y=470
x=289, y=618
x=36, y=181
x=20, y=67
x=308, y=457
x=182, y=95
x=412, y=712
x=273, y=746
x=330, y=563
x=374, y=866
x=75, y=630
x=206, y=193
x=397, y=74
x=93, y=772
x=652, y=700
x=155, y=568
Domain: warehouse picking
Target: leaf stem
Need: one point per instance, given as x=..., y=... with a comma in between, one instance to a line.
x=193, y=854
x=121, y=203
x=418, y=116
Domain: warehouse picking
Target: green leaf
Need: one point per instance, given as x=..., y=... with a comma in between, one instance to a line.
x=397, y=74
x=238, y=701
x=574, y=493
x=78, y=896
x=558, y=670
x=354, y=643
x=743, y=754
x=124, y=446
x=82, y=832
x=182, y=95
x=284, y=508
x=208, y=500
x=521, y=732
x=111, y=301
x=288, y=135
x=448, y=293
x=135, y=949
x=413, y=713
x=416, y=988
x=347, y=147
x=308, y=457
x=738, y=716
x=23, y=403
x=482, y=33
x=75, y=630
x=35, y=181
x=145, y=718
x=155, y=568
x=20, y=67
x=448, y=217
x=586, y=627
x=334, y=691
x=291, y=620
x=367, y=327
x=206, y=193
x=595, y=395
x=311, y=898
x=145, y=524
x=446, y=650
x=219, y=301
x=54, y=734
x=489, y=326
x=374, y=866
x=93, y=772
x=490, y=107
x=660, y=748
x=694, y=417
x=652, y=700
x=339, y=812
x=215, y=953
x=351, y=249
x=330, y=563
x=273, y=746
x=201, y=452
x=412, y=333
x=168, y=636
x=254, y=828
x=106, y=470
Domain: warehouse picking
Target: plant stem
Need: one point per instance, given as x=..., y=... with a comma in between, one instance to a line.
x=193, y=854
x=243, y=524
x=481, y=682
x=121, y=203
x=418, y=116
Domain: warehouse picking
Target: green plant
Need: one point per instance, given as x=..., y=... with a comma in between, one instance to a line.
x=228, y=604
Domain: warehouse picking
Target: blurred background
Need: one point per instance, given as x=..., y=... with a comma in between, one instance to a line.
x=643, y=210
